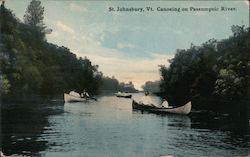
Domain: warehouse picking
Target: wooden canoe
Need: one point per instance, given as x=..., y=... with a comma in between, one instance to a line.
x=184, y=110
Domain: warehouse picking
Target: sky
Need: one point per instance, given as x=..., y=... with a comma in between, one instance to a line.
x=132, y=45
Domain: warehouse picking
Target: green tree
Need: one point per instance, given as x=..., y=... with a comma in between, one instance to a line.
x=34, y=16
x=151, y=86
x=233, y=66
x=110, y=84
x=4, y=85
x=32, y=66
x=215, y=71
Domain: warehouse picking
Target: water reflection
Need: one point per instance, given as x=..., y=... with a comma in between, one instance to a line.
x=236, y=128
x=22, y=125
x=179, y=121
x=109, y=127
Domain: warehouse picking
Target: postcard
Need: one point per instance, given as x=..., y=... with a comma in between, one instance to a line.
x=119, y=78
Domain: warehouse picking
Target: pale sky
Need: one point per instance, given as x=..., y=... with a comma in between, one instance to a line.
x=131, y=45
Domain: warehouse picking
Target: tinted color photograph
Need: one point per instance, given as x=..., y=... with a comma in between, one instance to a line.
x=124, y=78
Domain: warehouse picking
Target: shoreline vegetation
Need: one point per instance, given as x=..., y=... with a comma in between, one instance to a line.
x=214, y=76
x=33, y=69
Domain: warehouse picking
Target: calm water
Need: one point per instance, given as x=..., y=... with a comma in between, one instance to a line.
x=110, y=128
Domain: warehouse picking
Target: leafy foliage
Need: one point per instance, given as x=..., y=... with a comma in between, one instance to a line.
x=113, y=85
x=34, y=14
x=34, y=19
x=153, y=87
x=4, y=85
x=30, y=65
x=216, y=69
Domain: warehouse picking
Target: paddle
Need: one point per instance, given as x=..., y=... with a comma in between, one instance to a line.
x=93, y=98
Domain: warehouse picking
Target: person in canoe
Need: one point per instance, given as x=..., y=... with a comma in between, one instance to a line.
x=147, y=100
x=84, y=94
x=164, y=104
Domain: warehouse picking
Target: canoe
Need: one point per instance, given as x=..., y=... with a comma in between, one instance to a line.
x=73, y=98
x=184, y=110
x=123, y=95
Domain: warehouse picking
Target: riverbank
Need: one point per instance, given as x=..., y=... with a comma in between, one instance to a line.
x=32, y=98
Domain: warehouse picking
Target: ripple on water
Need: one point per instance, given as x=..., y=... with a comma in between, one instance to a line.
x=109, y=127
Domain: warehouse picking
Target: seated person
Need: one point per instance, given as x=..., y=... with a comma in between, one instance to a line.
x=147, y=100
x=164, y=104
x=85, y=94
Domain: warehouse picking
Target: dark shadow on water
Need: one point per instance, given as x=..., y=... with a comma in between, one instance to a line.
x=236, y=126
x=174, y=120
x=22, y=125
x=79, y=128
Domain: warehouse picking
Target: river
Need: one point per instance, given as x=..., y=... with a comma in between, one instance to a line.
x=110, y=127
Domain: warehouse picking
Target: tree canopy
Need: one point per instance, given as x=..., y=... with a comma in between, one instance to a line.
x=34, y=14
x=216, y=70
x=113, y=85
x=152, y=86
x=32, y=66
x=34, y=17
